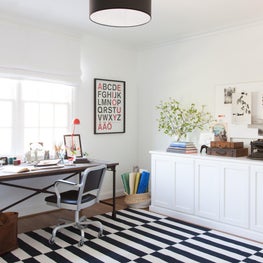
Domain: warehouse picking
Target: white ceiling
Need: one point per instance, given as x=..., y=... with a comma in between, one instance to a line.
x=171, y=19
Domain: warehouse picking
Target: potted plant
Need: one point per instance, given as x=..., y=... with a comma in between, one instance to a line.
x=177, y=121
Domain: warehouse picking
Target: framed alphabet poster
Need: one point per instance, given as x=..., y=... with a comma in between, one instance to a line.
x=109, y=106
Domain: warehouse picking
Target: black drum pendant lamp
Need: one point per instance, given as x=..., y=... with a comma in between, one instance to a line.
x=120, y=13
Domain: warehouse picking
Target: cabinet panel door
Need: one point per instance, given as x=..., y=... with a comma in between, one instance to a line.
x=163, y=182
x=207, y=190
x=236, y=193
x=184, y=185
x=257, y=198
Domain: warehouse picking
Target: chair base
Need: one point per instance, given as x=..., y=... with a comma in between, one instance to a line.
x=81, y=224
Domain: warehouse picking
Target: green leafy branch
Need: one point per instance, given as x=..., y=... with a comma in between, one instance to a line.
x=177, y=121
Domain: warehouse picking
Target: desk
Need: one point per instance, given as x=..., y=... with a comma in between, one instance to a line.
x=6, y=179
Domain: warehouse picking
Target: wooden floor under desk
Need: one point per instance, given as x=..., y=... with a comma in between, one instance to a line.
x=33, y=222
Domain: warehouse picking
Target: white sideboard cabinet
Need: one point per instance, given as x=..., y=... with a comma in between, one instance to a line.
x=222, y=193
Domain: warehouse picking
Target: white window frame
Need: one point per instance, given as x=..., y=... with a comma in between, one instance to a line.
x=18, y=147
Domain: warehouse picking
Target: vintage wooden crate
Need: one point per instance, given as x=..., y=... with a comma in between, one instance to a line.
x=223, y=144
x=8, y=232
x=228, y=152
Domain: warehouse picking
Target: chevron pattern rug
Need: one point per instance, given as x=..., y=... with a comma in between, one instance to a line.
x=136, y=236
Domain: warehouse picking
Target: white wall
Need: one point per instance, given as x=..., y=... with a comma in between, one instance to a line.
x=106, y=60
x=99, y=59
x=189, y=70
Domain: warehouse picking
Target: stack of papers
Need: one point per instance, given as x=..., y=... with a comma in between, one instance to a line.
x=47, y=162
x=41, y=165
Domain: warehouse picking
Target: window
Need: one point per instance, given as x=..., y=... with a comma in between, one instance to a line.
x=33, y=111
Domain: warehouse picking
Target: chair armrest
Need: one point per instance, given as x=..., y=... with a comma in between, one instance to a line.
x=64, y=182
x=56, y=186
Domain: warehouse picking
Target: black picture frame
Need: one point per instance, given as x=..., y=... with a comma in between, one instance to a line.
x=4, y=160
x=109, y=106
x=77, y=151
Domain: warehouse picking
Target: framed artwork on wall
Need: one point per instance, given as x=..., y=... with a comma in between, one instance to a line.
x=109, y=106
x=73, y=145
x=241, y=104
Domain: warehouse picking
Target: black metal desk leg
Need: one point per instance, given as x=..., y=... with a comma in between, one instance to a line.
x=114, y=193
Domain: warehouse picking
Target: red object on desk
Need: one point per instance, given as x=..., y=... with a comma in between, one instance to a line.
x=75, y=122
x=17, y=162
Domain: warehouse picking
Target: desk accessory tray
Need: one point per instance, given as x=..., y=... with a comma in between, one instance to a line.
x=44, y=163
x=81, y=160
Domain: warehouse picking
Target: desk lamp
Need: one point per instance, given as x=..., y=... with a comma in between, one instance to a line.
x=74, y=123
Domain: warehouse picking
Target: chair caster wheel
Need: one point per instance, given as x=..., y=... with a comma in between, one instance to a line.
x=51, y=241
x=100, y=234
x=81, y=243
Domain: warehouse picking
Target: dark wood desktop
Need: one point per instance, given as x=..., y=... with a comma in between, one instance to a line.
x=6, y=179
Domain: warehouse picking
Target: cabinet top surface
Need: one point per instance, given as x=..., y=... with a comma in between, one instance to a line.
x=203, y=156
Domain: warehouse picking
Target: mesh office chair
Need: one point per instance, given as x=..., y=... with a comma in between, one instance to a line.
x=79, y=196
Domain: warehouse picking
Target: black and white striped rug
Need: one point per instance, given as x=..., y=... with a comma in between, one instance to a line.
x=136, y=236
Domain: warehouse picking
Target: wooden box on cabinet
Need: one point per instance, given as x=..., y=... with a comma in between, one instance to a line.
x=223, y=144
x=228, y=152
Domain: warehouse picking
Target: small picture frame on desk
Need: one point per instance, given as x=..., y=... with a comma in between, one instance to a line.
x=4, y=160
x=73, y=145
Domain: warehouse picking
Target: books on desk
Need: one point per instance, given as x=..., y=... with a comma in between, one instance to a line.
x=182, y=147
x=16, y=169
x=28, y=168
